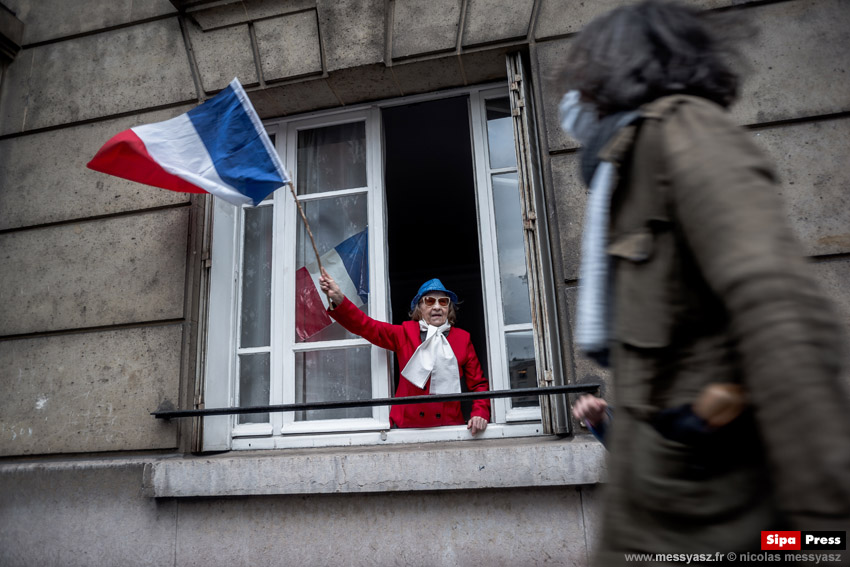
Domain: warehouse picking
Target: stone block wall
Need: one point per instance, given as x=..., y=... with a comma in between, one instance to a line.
x=100, y=277
x=94, y=514
x=97, y=255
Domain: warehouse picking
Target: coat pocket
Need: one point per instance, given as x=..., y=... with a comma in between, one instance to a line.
x=643, y=277
x=676, y=480
x=635, y=246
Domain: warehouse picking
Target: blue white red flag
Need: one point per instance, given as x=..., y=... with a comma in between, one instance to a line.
x=348, y=265
x=219, y=147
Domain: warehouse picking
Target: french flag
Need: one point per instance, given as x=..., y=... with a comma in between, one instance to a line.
x=219, y=147
x=348, y=265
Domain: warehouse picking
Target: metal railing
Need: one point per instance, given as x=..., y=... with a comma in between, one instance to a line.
x=516, y=393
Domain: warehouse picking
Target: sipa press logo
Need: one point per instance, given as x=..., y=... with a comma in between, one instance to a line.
x=803, y=540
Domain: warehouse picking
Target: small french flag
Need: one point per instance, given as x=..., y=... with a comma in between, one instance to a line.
x=348, y=264
x=220, y=147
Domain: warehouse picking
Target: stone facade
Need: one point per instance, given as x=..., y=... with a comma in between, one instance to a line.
x=100, y=284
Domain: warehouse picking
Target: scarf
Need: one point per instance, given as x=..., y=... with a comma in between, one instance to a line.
x=434, y=358
x=594, y=303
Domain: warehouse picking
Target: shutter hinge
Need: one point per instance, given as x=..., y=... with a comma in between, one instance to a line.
x=520, y=103
x=529, y=221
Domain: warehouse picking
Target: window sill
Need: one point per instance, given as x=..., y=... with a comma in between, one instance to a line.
x=468, y=465
x=383, y=436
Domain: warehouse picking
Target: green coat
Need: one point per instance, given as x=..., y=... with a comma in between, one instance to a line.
x=711, y=286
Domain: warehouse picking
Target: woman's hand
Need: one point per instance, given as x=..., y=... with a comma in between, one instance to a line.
x=476, y=424
x=330, y=288
x=591, y=410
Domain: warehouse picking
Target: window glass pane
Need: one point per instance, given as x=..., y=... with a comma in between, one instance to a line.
x=254, y=385
x=339, y=228
x=331, y=158
x=500, y=133
x=522, y=366
x=333, y=375
x=257, y=278
x=511, y=249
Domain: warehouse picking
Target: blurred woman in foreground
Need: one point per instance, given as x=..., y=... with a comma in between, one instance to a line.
x=731, y=417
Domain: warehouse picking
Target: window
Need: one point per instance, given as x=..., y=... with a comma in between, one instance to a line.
x=395, y=193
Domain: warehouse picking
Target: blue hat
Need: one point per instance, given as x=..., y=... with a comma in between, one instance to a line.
x=432, y=285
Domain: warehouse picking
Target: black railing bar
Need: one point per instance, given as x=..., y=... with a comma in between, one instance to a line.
x=518, y=392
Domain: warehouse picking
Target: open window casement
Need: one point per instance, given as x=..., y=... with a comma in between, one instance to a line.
x=554, y=409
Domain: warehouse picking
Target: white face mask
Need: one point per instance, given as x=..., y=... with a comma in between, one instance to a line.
x=579, y=119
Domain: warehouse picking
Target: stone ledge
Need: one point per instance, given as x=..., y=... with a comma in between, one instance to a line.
x=516, y=463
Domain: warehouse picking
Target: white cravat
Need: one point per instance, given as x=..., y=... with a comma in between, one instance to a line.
x=434, y=358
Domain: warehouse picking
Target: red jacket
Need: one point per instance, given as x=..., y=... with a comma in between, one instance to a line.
x=403, y=340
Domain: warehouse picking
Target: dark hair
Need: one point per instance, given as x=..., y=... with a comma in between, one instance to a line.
x=636, y=54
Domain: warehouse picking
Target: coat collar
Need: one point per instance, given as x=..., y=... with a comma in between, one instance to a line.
x=616, y=150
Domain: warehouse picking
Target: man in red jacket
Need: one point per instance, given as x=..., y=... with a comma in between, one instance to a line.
x=433, y=354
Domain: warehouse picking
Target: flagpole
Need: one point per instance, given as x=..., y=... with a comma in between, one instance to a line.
x=306, y=225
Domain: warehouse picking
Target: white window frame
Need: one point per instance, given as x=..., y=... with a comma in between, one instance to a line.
x=494, y=315
x=285, y=423
x=224, y=432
